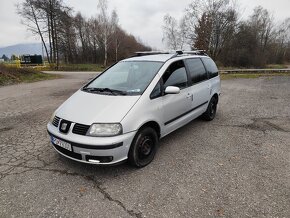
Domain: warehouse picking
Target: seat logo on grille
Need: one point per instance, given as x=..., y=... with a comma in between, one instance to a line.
x=63, y=126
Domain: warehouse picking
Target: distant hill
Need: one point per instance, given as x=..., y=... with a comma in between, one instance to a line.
x=21, y=49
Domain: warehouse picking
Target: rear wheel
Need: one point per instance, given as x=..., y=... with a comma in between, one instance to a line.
x=143, y=147
x=210, y=113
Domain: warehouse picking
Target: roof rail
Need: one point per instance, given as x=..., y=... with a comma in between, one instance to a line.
x=196, y=52
x=174, y=53
x=143, y=53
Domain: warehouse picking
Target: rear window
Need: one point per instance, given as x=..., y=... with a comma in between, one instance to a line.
x=210, y=67
x=196, y=70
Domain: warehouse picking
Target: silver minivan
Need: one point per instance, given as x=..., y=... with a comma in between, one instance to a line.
x=122, y=113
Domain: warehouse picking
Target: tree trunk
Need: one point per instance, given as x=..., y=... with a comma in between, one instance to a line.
x=49, y=38
x=52, y=28
x=40, y=33
x=56, y=46
x=116, y=50
x=106, y=50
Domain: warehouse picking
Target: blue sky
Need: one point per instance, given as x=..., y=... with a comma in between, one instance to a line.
x=141, y=18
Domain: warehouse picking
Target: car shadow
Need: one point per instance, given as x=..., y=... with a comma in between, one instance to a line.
x=105, y=173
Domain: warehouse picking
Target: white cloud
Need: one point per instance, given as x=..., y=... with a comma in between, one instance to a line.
x=12, y=31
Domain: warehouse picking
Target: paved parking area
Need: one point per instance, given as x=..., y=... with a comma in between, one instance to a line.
x=235, y=166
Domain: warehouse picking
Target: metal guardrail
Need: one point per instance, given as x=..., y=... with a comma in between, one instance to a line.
x=286, y=70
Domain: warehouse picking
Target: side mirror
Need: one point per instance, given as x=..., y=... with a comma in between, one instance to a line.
x=172, y=90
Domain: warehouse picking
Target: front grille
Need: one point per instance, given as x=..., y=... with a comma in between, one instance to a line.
x=80, y=129
x=55, y=121
x=68, y=153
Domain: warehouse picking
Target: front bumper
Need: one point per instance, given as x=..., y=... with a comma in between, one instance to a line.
x=93, y=150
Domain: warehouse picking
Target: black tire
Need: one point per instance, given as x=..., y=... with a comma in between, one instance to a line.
x=210, y=113
x=143, y=147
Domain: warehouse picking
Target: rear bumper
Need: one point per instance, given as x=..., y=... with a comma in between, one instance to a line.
x=93, y=150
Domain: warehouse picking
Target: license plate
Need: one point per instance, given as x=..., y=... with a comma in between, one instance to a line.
x=61, y=143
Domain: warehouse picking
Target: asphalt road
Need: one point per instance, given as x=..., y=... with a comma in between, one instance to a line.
x=235, y=166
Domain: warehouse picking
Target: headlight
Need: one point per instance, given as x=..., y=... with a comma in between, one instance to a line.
x=105, y=129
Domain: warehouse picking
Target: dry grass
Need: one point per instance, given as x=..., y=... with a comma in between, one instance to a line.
x=12, y=75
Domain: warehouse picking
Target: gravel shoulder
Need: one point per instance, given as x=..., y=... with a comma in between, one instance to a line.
x=235, y=166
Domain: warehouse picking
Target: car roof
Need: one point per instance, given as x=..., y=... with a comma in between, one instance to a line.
x=157, y=57
x=160, y=57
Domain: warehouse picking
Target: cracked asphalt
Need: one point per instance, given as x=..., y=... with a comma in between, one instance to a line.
x=235, y=166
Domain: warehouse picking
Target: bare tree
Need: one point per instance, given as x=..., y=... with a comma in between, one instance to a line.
x=210, y=24
x=47, y=18
x=214, y=25
x=183, y=37
x=67, y=36
x=262, y=23
x=118, y=41
x=33, y=19
x=171, y=32
x=76, y=39
x=282, y=41
x=80, y=27
x=202, y=31
x=108, y=24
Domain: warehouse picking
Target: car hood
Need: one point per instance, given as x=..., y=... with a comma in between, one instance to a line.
x=87, y=108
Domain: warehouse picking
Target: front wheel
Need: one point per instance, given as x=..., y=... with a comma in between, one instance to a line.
x=210, y=113
x=143, y=147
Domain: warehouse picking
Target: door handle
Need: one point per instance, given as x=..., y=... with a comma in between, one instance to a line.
x=190, y=95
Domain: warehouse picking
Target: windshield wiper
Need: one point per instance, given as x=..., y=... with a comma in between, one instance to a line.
x=112, y=91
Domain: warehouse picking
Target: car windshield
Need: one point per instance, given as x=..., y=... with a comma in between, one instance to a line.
x=125, y=78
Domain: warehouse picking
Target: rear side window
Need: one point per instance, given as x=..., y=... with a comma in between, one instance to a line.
x=175, y=75
x=210, y=67
x=196, y=70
